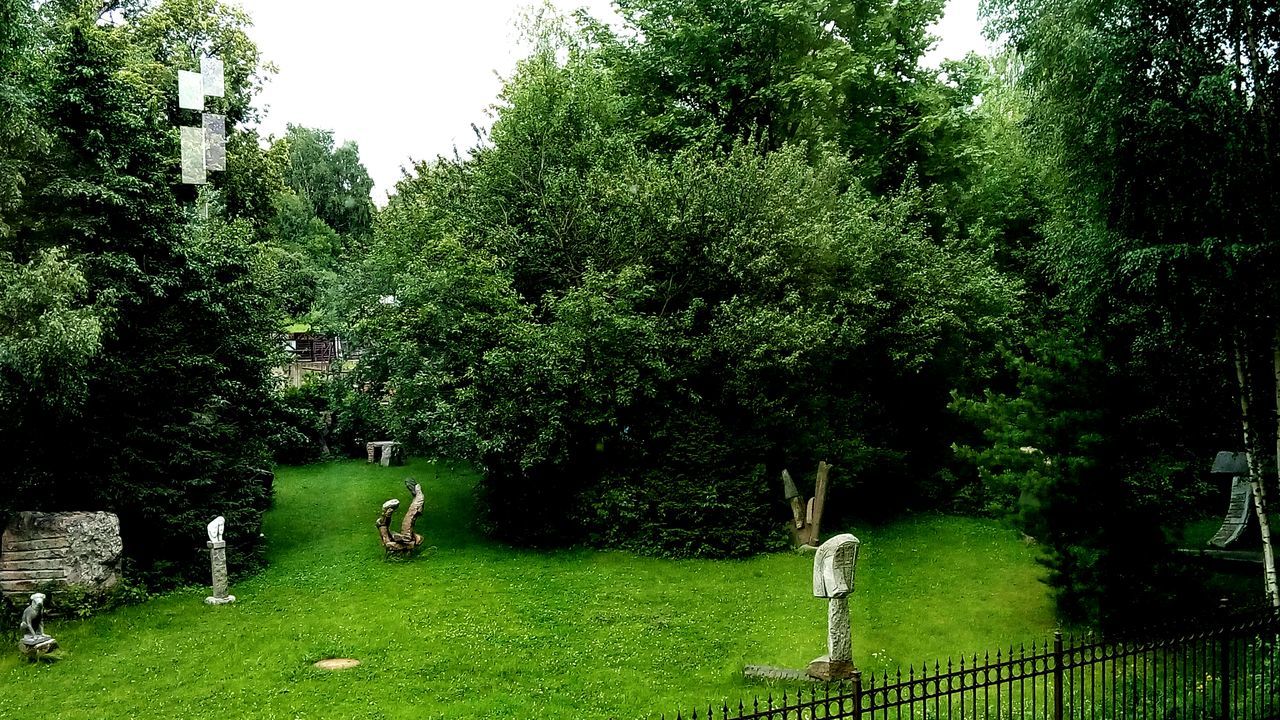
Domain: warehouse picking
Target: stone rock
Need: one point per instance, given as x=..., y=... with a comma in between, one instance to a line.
x=385, y=452
x=63, y=549
x=824, y=668
x=35, y=651
x=337, y=663
x=776, y=674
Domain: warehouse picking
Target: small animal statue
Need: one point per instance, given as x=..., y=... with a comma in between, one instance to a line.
x=405, y=541
x=32, y=626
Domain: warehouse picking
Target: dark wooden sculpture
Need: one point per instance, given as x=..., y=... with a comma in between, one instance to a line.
x=405, y=541
x=806, y=517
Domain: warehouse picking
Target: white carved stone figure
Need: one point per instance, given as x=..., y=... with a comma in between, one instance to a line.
x=834, y=568
x=218, y=563
x=215, y=529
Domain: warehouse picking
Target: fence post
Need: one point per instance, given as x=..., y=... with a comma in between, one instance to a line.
x=857, y=694
x=1224, y=678
x=1057, y=675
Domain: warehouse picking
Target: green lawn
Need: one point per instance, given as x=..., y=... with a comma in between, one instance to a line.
x=477, y=629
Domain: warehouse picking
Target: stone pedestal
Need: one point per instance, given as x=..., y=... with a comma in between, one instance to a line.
x=218, y=563
x=824, y=668
x=35, y=648
x=837, y=664
x=839, y=630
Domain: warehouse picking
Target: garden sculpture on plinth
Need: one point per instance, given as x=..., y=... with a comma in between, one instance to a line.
x=218, y=563
x=834, y=567
x=34, y=641
x=405, y=541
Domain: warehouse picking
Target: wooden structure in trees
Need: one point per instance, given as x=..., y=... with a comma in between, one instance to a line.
x=806, y=520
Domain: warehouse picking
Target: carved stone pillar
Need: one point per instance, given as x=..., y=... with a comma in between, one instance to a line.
x=834, y=568
x=218, y=563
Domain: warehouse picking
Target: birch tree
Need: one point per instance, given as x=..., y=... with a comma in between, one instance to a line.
x=1161, y=120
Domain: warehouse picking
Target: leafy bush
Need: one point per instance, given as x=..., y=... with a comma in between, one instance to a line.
x=301, y=436
x=633, y=344
x=155, y=318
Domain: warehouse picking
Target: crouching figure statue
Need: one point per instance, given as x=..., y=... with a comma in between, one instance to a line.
x=34, y=642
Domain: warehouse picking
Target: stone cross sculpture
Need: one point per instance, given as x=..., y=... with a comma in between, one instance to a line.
x=834, y=566
x=218, y=562
x=34, y=642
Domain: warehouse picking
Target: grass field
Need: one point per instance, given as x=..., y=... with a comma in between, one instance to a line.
x=476, y=629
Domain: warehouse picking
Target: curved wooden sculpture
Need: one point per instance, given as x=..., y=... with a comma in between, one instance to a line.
x=405, y=541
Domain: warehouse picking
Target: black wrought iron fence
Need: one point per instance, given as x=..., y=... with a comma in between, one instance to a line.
x=1201, y=673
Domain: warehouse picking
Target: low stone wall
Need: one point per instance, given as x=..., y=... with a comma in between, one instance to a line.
x=76, y=548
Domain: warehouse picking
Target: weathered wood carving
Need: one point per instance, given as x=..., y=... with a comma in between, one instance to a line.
x=405, y=541
x=806, y=517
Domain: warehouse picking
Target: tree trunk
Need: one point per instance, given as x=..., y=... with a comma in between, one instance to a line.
x=1255, y=472
x=1267, y=553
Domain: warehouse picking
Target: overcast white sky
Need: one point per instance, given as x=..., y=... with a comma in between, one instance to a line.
x=406, y=78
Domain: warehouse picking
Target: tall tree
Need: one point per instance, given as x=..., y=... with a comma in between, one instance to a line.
x=330, y=180
x=1162, y=117
x=634, y=341
x=785, y=70
x=167, y=428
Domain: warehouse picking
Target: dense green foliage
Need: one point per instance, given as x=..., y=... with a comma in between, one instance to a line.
x=751, y=236
x=726, y=239
x=136, y=337
x=571, y=633
x=633, y=342
x=322, y=211
x=1152, y=129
